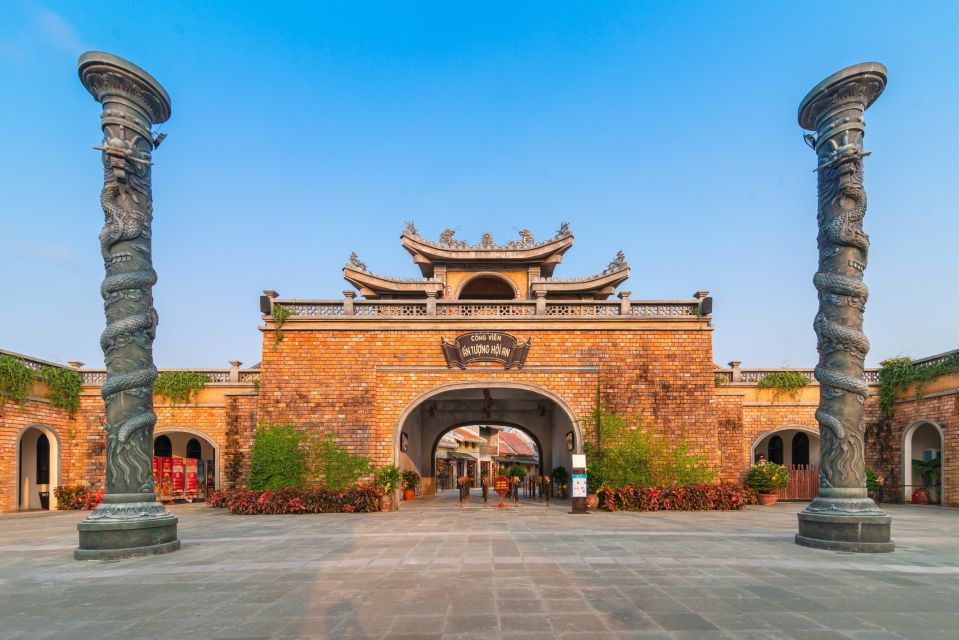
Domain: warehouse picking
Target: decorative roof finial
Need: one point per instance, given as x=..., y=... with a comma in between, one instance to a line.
x=356, y=262
x=411, y=228
x=486, y=241
x=618, y=262
x=563, y=229
x=446, y=238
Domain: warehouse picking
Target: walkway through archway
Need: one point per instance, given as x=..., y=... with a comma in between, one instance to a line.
x=545, y=417
x=199, y=454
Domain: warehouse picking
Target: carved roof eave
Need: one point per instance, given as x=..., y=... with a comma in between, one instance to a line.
x=426, y=250
x=373, y=284
x=605, y=283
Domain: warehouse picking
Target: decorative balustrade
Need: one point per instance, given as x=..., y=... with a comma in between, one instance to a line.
x=96, y=377
x=431, y=308
x=753, y=376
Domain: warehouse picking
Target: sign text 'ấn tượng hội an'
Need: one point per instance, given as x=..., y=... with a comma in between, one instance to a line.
x=485, y=346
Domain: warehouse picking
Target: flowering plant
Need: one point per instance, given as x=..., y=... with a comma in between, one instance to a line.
x=357, y=498
x=687, y=497
x=77, y=497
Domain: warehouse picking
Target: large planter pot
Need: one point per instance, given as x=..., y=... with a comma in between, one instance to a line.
x=920, y=496
x=386, y=502
x=768, y=499
x=408, y=494
x=592, y=501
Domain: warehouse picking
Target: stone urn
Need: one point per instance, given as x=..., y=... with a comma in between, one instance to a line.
x=768, y=499
x=592, y=501
x=386, y=502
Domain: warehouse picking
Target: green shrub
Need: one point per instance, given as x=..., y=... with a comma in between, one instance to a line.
x=16, y=378
x=767, y=477
x=560, y=476
x=516, y=470
x=789, y=382
x=411, y=479
x=332, y=465
x=897, y=373
x=64, y=385
x=625, y=455
x=276, y=458
x=388, y=478
x=180, y=386
x=872, y=479
x=280, y=315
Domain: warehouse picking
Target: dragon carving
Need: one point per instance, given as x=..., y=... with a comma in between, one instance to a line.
x=127, y=292
x=842, y=345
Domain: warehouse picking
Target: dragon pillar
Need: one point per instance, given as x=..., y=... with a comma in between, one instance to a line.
x=843, y=517
x=130, y=521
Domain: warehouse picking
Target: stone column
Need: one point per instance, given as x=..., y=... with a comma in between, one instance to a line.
x=843, y=517
x=130, y=522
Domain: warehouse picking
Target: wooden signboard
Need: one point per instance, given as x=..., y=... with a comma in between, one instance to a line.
x=485, y=346
x=501, y=486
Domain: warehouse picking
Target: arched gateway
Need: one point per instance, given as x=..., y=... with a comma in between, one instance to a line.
x=391, y=368
x=545, y=416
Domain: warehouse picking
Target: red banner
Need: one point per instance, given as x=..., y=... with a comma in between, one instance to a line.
x=177, y=476
x=166, y=476
x=190, y=472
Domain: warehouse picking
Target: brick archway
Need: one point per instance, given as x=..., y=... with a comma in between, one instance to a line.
x=539, y=411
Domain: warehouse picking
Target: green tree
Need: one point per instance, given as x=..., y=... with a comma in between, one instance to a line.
x=627, y=454
x=276, y=459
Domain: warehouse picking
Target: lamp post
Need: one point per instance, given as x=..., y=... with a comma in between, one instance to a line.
x=842, y=517
x=130, y=521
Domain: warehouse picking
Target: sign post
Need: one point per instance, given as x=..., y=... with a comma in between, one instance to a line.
x=579, y=484
x=501, y=486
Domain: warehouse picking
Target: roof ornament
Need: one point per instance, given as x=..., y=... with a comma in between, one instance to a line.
x=411, y=228
x=446, y=238
x=486, y=241
x=526, y=239
x=563, y=229
x=617, y=263
x=356, y=262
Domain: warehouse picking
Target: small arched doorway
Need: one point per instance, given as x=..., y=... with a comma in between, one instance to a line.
x=788, y=446
x=922, y=459
x=196, y=450
x=38, y=468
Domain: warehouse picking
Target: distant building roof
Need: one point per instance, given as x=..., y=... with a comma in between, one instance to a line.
x=514, y=443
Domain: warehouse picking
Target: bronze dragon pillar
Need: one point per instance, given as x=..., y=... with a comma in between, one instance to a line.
x=843, y=517
x=130, y=522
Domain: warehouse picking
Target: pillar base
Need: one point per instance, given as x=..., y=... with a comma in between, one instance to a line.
x=845, y=524
x=127, y=526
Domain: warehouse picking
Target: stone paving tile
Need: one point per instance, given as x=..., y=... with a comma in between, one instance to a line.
x=431, y=571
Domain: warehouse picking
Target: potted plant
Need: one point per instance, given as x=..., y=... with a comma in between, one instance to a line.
x=387, y=479
x=766, y=478
x=560, y=480
x=411, y=480
x=594, y=481
x=929, y=471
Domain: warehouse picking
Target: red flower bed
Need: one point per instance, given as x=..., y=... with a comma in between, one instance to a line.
x=688, y=497
x=72, y=498
x=360, y=498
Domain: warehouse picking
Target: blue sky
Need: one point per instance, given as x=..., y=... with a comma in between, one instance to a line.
x=302, y=132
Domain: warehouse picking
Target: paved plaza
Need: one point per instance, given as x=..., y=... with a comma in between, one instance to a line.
x=433, y=570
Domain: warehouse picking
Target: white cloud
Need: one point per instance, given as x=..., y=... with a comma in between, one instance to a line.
x=59, y=32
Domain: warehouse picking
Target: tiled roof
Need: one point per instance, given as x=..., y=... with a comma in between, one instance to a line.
x=512, y=443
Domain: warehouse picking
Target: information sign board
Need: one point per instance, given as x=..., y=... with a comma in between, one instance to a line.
x=501, y=484
x=579, y=485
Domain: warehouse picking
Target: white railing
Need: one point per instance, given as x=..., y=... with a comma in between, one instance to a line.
x=754, y=376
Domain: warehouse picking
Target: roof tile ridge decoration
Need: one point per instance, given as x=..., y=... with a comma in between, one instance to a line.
x=616, y=265
x=358, y=265
x=526, y=239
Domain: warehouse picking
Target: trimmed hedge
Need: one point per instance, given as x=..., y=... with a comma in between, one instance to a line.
x=687, y=497
x=355, y=499
x=77, y=497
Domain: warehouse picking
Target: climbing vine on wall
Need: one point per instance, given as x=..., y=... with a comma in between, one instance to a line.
x=788, y=382
x=180, y=386
x=64, y=385
x=16, y=378
x=280, y=315
x=895, y=374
